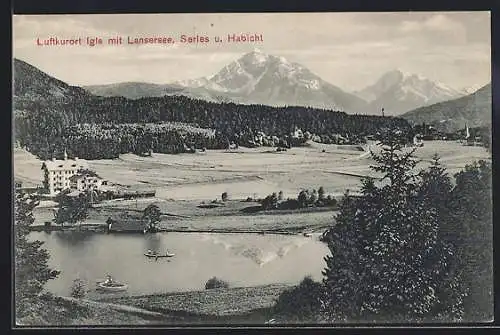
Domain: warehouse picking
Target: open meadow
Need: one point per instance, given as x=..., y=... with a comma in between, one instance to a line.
x=183, y=181
x=248, y=172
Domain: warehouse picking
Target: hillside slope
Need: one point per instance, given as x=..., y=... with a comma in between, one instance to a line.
x=34, y=87
x=474, y=110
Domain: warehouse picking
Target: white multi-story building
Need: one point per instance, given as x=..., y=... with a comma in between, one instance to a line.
x=57, y=173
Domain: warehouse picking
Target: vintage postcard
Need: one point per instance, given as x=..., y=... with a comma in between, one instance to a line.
x=252, y=169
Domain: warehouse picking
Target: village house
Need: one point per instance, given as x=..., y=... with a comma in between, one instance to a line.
x=126, y=224
x=298, y=133
x=87, y=182
x=57, y=173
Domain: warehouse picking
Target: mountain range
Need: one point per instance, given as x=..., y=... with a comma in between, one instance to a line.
x=259, y=78
x=265, y=78
x=255, y=78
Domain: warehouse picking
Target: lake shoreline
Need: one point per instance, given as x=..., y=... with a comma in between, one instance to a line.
x=188, y=217
x=102, y=229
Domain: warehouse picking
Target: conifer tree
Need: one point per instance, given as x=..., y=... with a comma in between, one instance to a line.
x=386, y=261
x=31, y=261
x=472, y=223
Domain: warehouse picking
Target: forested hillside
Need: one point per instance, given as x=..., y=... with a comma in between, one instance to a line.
x=87, y=125
x=50, y=129
x=473, y=110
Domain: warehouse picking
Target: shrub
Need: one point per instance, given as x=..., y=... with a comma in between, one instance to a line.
x=270, y=202
x=215, y=282
x=78, y=290
x=289, y=204
x=301, y=303
x=330, y=201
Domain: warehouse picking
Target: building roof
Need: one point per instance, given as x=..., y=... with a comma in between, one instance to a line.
x=107, y=188
x=59, y=164
x=121, y=224
x=83, y=176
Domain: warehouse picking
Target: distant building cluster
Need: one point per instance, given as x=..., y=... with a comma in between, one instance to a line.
x=59, y=175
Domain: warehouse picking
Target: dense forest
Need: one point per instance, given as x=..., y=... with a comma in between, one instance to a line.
x=45, y=130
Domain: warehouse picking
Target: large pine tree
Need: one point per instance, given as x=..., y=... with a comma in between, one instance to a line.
x=387, y=262
x=31, y=261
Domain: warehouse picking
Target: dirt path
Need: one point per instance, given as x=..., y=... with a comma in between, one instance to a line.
x=116, y=307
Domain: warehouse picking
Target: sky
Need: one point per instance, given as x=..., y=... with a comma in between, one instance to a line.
x=349, y=50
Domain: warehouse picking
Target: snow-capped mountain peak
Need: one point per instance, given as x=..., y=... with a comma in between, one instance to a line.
x=398, y=91
x=257, y=77
x=258, y=57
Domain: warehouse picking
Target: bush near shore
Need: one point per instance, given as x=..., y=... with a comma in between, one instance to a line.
x=305, y=198
x=215, y=282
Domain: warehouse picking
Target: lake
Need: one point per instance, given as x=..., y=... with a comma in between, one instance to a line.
x=240, y=259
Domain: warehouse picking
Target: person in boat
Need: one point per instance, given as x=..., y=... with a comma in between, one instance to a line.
x=108, y=280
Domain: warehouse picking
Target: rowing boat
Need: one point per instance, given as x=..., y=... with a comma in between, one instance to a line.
x=154, y=255
x=112, y=286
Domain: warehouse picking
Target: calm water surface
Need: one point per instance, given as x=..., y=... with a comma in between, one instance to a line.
x=241, y=259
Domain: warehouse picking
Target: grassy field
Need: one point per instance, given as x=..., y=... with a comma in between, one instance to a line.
x=241, y=305
x=214, y=220
x=224, y=305
x=183, y=181
x=65, y=311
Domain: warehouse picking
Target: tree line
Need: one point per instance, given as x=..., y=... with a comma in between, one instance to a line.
x=48, y=128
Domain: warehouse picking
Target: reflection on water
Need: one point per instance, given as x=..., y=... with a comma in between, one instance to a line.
x=241, y=259
x=153, y=242
x=74, y=239
x=260, y=250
